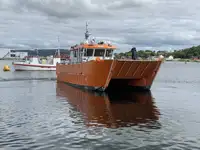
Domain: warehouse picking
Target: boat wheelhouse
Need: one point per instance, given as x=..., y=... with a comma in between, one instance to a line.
x=90, y=50
x=87, y=52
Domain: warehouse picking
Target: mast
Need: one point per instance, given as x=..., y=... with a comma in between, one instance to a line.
x=87, y=34
x=59, y=46
x=37, y=52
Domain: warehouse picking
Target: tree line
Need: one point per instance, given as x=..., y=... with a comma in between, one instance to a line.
x=187, y=53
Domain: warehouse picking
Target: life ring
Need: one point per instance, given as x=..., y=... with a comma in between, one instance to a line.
x=98, y=59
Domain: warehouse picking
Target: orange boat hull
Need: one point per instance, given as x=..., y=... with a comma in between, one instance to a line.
x=104, y=74
x=113, y=109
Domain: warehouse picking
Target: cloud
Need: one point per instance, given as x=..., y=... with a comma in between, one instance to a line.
x=68, y=9
x=152, y=24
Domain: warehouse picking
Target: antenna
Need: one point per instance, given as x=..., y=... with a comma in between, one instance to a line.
x=86, y=26
x=59, y=46
x=87, y=34
x=36, y=51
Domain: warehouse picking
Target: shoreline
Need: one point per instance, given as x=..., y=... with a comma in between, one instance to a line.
x=185, y=60
x=175, y=60
x=9, y=59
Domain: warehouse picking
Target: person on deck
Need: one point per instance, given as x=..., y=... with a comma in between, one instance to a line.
x=134, y=53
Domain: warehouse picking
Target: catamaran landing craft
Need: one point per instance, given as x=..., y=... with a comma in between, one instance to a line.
x=92, y=66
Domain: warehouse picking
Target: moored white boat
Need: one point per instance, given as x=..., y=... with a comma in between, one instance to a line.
x=34, y=63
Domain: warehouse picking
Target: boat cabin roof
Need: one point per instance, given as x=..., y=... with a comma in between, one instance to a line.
x=92, y=46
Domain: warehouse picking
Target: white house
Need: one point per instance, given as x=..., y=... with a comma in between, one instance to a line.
x=15, y=54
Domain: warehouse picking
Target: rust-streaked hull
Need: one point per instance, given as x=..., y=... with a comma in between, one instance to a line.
x=111, y=110
x=100, y=75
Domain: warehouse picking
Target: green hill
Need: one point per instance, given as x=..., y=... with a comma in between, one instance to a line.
x=186, y=53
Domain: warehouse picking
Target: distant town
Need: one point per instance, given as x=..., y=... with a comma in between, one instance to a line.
x=20, y=54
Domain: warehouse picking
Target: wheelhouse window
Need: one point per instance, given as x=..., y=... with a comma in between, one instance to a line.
x=82, y=52
x=12, y=55
x=75, y=53
x=109, y=52
x=99, y=52
x=89, y=52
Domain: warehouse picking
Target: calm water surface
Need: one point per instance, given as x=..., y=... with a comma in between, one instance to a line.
x=38, y=113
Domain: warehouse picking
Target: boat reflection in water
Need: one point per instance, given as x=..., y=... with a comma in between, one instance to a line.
x=112, y=109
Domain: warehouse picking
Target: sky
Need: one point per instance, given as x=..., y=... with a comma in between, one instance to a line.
x=144, y=24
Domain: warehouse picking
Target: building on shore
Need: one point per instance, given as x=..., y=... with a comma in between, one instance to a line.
x=20, y=54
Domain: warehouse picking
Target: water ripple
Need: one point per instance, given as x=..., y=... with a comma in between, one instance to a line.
x=24, y=79
x=38, y=113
